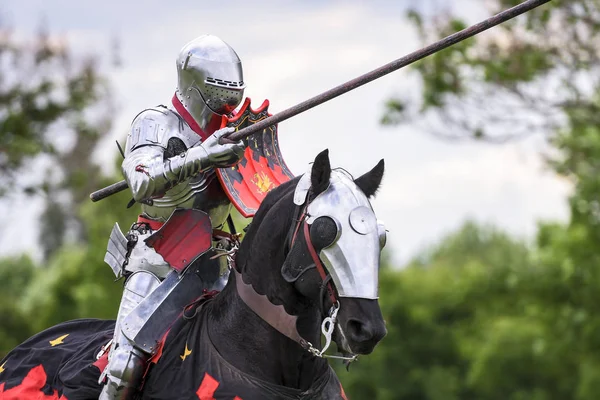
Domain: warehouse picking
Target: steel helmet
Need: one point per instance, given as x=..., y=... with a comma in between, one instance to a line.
x=210, y=82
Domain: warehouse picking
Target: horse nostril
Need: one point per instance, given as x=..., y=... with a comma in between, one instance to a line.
x=359, y=331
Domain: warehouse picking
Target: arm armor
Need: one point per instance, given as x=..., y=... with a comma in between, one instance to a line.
x=150, y=174
x=147, y=171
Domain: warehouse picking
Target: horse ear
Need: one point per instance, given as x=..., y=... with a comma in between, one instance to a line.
x=320, y=173
x=369, y=182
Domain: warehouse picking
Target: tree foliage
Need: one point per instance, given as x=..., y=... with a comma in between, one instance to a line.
x=482, y=316
x=527, y=76
x=55, y=107
x=502, y=321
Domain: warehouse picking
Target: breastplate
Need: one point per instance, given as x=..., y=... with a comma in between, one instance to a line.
x=203, y=192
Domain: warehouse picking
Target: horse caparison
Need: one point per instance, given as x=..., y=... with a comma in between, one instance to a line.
x=227, y=351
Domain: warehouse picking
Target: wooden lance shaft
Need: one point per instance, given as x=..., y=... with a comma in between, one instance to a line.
x=362, y=80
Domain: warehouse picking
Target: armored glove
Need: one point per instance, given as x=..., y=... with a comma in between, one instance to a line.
x=209, y=154
x=213, y=154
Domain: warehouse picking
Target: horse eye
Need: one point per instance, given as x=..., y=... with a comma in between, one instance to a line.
x=323, y=232
x=382, y=234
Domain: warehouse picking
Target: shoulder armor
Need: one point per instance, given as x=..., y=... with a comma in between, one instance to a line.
x=155, y=126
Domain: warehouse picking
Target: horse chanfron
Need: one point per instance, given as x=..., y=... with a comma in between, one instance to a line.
x=344, y=240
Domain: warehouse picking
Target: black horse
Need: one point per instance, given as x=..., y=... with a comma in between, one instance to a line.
x=254, y=340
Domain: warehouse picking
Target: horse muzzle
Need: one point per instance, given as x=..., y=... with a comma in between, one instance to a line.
x=360, y=325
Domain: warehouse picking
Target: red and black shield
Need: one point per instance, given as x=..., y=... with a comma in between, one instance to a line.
x=262, y=168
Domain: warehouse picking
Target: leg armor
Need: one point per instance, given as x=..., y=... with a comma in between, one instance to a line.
x=126, y=362
x=154, y=295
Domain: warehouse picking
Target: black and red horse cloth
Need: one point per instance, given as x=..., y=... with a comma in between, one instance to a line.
x=60, y=364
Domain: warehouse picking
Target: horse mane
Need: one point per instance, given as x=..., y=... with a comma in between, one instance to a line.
x=279, y=219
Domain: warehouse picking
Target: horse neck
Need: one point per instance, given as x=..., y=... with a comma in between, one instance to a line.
x=251, y=345
x=247, y=341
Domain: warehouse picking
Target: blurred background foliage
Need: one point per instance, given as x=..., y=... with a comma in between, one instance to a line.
x=478, y=315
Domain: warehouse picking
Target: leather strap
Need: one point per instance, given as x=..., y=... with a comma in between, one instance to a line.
x=154, y=225
x=187, y=117
x=319, y=264
x=276, y=316
x=221, y=234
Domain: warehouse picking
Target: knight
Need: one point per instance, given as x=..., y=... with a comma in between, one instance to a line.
x=171, y=157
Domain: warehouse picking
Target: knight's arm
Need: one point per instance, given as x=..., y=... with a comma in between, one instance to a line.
x=149, y=173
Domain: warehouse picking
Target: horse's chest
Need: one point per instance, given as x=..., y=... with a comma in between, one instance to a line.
x=203, y=376
x=190, y=368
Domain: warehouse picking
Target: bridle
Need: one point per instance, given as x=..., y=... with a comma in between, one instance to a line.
x=276, y=316
x=300, y=216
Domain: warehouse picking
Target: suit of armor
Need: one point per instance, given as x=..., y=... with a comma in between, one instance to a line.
x=169, y=164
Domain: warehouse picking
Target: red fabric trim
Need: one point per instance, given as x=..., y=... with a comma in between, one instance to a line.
x=188, y=118
x=159, y=349
x=102, y=361
x=155, y=357
x=161, y=343
x=155, y=225
x=238, y=114
x=31, y=387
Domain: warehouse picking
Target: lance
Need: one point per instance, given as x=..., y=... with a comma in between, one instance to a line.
x=362, y=80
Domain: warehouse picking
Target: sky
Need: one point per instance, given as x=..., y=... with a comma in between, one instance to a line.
x=291, y=51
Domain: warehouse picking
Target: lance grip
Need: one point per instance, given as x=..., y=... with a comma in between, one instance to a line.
x=109, y=190
x=248, y=131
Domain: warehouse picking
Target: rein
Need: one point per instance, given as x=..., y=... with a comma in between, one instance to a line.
x=324, y=275
x=302, y=212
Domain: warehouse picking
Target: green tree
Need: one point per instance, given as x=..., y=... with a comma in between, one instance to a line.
x=483, y=316
x=433, y=309
x=530, y=333
x=55, y=108
x=521, y=78
x=15, y=274
x=76, y=283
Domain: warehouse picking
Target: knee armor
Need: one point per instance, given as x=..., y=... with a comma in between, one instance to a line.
x=126, y=362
